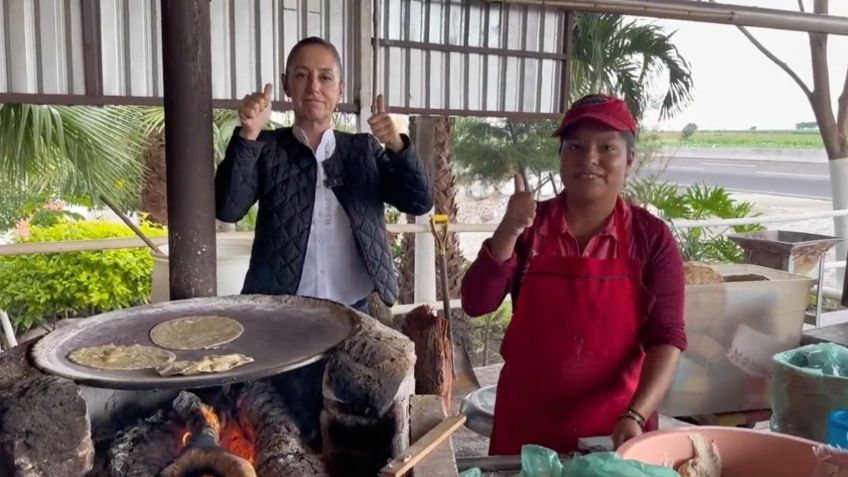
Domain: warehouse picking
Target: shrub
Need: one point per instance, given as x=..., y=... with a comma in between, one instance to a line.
x=697, y=202
x=688, y=130
x=41, y=288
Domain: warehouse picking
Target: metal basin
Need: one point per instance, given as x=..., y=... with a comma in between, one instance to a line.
x=479, y=408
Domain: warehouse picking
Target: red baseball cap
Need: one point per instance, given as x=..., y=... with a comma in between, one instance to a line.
x=608, y=110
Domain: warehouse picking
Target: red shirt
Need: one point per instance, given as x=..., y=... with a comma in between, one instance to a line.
x=652, y=245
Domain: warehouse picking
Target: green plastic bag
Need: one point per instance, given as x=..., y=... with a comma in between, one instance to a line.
x=538, y=461
x=541, y=462
x=475, y=472
x=806, y=385
x=609, y=463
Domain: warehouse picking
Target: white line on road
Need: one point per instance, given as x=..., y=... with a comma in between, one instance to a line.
x=793, y=175
x=760, y=192
x=685, y=168
x=728, y=164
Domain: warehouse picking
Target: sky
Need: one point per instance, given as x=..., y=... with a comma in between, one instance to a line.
x=736, y=86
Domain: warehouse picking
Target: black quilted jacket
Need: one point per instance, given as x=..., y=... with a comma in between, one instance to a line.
x=280, y=172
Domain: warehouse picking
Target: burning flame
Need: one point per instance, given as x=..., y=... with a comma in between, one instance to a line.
x=210, y=418
x=237, y=442
x=231, y=436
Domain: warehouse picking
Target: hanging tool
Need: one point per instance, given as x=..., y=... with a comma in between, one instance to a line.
x=130, y=224
x=464, y=378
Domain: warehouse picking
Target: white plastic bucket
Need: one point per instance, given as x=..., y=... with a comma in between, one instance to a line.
x=233, y=261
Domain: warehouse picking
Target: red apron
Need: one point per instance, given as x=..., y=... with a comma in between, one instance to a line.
x=572, y=351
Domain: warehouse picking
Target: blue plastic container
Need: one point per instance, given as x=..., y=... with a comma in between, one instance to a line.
x=837, y=429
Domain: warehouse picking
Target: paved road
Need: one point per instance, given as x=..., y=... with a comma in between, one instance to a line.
x=808, y=179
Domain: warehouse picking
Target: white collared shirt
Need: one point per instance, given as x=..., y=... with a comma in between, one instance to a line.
x=333, y=268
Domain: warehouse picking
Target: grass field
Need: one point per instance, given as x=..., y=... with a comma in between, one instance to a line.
x=744, y=139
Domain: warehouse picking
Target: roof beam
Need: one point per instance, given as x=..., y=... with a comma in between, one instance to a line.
x=705, y=12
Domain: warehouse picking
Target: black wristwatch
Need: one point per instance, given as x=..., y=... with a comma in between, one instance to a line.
x=631, y=414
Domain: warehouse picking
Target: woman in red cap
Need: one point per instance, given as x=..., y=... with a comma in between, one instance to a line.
x=597, y=288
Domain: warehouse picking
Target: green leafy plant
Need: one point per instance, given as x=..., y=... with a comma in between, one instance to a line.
x=395, y=240
x=697, y=202
x=492, y=151
x=248, y=222
x=70, y=151
x=490, y=327
x=631, y=59
x=42, y=288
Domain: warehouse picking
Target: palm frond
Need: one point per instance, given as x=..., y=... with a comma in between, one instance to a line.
x=629, y=58
x=73, y=150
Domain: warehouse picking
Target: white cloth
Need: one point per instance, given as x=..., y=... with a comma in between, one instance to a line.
x=332, y=268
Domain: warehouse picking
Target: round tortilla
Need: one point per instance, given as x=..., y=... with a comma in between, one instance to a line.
x=123, y=358
x=196, y=332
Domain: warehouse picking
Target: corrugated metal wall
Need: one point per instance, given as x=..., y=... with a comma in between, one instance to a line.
x=439, y=56
x=472, y=56
x=42, y=50
x=43, y=44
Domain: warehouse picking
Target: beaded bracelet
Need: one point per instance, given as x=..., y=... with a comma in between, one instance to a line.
x=631, y=414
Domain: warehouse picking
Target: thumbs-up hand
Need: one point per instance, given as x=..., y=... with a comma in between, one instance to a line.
x=383, y=127
x=254, y=112
x=520, y=211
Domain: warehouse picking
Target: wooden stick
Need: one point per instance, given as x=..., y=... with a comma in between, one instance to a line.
x=418, y=451
x=28, y=248
x=8, y=331
x=129, y=223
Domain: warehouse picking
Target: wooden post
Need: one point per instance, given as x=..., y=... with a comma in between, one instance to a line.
x=187, y=74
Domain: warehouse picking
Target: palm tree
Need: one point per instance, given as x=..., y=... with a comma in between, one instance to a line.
x=73, y=152
x=154, y=188
x=78, y=152
x=627, y=58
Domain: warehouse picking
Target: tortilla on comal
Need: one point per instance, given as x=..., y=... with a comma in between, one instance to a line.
x=206, y=364
x=121, y=357
x=196, y=332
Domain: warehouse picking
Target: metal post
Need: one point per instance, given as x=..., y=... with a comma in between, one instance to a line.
x=365, y=66
x=187, y=74
x=820, y=290
x=568, y=49
x=422, y=131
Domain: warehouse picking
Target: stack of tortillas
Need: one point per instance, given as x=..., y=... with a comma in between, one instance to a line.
x=701, y=274
x=182, y=334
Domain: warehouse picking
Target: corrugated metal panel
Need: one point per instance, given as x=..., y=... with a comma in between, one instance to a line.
x=475, y=57
x=440, y=56
x=43, y=45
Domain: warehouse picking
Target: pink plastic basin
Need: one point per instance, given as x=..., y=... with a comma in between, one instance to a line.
x=744, y=452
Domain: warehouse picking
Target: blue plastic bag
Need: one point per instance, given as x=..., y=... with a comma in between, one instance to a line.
x=541, y=462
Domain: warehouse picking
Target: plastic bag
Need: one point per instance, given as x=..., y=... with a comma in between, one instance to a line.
x=806, y=385
x=537, y=461
x=475, y=472
x=541, y=462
